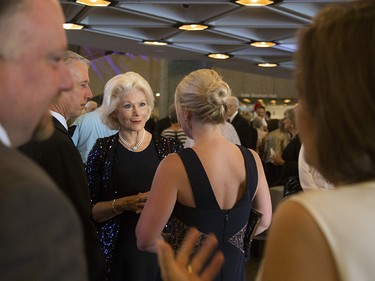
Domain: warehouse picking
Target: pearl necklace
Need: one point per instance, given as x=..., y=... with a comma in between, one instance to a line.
x=133, y=147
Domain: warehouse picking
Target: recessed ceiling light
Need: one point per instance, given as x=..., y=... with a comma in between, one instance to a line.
x=98, y=3
x=72, y=26
x=254, y=2
x=263, y=44
x=155, y=43
x=219, y=56
x=267, y=64
x=193, y=27
x=287, y=101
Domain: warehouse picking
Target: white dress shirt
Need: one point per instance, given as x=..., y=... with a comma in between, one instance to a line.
x=60, y=118
x=4, y=138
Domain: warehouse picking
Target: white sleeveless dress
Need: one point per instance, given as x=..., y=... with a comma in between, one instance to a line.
x=346, y=218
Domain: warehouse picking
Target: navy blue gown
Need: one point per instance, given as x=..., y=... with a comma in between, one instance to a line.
x=228, y=225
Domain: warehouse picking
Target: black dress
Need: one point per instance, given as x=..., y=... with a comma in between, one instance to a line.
x=104, y=186
x=290, y=156
x=228, y=225
x=133, y=173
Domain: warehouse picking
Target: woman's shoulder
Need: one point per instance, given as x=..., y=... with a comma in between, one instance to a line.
x=103, y=144
x=293, y=241
x=167, y=145
x=108, y=139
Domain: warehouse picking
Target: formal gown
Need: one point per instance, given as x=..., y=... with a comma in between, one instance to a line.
x=228, y=225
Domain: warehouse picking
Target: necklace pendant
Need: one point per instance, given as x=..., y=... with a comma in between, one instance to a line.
x=132, y=147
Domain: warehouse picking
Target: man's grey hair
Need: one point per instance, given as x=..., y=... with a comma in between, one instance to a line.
x=70, y=56
x=234, y=100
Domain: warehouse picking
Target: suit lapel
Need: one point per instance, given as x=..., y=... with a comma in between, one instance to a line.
x=58, y=126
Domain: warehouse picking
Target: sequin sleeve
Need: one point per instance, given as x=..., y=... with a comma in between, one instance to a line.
x=93, y=171
x=98, y=168
x=164, y=146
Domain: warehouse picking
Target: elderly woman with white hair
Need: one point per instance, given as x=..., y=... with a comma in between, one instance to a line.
x=120, y=170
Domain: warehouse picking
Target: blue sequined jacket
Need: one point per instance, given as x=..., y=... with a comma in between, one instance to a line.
x=99, y=169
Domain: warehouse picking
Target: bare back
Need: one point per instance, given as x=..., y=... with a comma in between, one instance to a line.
x=225, y=168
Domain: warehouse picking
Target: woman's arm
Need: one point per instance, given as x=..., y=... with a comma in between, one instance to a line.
x=262, y=199
x=296, y=249
x=160, y=203
x=105, y=210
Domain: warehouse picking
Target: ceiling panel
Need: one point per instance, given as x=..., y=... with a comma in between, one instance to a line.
x=124, y=25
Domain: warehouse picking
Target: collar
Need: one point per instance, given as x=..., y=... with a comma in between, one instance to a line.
x=60, y=118
x=234, y=115
x=4, y=138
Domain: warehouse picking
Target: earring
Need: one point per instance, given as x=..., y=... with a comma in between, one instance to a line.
x=187, y=124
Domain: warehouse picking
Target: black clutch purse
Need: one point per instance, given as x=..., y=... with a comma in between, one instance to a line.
x=292, y=186
x=251, y=228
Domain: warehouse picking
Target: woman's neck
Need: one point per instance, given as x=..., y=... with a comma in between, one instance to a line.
x=131, y=139
x=203, y=132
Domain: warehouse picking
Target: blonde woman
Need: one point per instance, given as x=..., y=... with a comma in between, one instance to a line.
x=211, y=186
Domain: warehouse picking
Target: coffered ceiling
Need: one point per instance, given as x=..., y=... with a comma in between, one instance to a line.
x=124, y=25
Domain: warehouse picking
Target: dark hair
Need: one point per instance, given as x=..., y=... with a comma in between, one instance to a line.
x=336, y=73
x=273, y=124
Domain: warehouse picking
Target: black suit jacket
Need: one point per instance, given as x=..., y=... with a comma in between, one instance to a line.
x=41, y=236
x=162, y=124
x=62, y=161
x=247, y=134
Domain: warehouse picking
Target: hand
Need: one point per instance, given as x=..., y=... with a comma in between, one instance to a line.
x=134, y=203
x=277, y=160
x=180, y=269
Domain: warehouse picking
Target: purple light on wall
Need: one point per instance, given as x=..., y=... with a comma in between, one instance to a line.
x=145, y=58
x=113, y=65
x=97, y=71
x=93, y=65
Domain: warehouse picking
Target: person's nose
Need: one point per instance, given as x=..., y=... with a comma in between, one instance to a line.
x=136, y=110
x=89, y=94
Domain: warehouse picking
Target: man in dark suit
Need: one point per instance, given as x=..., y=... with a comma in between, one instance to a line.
x=247, y=134
x=40, y=236
x=61, y=160
x=165, y=122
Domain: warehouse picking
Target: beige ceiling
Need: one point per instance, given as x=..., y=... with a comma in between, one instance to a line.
x=124, y=25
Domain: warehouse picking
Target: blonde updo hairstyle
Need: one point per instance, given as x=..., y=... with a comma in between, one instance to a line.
x=116, y=89
x=204, y=94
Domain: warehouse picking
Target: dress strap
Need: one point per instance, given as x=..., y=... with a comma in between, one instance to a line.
x=251, y=172
x=201, y=187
